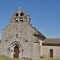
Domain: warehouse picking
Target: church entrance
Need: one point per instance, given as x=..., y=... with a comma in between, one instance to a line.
x=51, y=53
x=16, y=52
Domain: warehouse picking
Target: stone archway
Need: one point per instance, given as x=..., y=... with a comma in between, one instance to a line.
x=16, y=52
x=51, y=53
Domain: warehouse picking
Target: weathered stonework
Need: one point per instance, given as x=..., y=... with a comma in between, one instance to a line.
x=50, y=47
x=46, y=51
x=23, y=41
x=20, y=33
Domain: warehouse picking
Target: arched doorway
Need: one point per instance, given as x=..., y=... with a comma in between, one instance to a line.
x=51, y=53
x=16, y=52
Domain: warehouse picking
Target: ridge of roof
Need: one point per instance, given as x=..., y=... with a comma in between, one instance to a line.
x=52, y=41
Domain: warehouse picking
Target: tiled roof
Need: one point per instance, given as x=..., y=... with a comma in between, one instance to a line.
x=51, y=41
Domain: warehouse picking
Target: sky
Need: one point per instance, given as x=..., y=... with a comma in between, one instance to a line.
x=44, y=14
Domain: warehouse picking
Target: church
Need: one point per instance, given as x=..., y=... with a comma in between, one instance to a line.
x=23, y=41
x=20, y=39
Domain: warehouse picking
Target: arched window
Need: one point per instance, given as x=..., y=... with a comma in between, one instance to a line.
x=16, y=14
x=51, y=53
x=21, y=14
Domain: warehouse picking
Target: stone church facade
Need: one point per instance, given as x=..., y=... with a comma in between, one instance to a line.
x=23, y=41
x=20, y=39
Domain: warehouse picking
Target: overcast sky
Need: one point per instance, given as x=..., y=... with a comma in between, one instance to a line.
x=45, y=14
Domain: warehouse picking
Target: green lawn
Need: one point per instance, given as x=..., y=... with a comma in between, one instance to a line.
x=48, y=59
x=6, y=58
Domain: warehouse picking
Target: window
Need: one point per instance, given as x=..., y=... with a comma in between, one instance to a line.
x=51, y=53
x=26, y=41
x=21, y=19
x=16, y=19
x=6, y=40
x=21, y=14
x=16, y=14
x=16, y=35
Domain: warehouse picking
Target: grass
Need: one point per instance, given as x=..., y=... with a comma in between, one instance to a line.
x=7, y=58
x=48, y=59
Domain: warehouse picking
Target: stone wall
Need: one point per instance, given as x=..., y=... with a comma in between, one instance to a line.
x=26, y=40
x=21, y=34
x=46, y=51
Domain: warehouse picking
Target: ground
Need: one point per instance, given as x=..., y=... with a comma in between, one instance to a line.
x=6, y=58
x=48, y=59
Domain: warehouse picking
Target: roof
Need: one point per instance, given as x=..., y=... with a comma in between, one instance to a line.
x=38, y=33
x=51, y=41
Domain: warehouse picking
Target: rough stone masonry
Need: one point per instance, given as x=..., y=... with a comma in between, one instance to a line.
x=20, y=39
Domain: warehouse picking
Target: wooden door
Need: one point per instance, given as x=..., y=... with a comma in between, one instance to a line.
x=51, y=52
x=16, y=52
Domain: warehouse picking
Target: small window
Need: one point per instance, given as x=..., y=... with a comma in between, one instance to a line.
x=22, y=49
x=35, y=42
x=16, y=14
x=21, y=14
x=6, y=40
x=16, y=19
x=26, y=41
x=51, y=53
x=21, y=20
x=16, y=35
